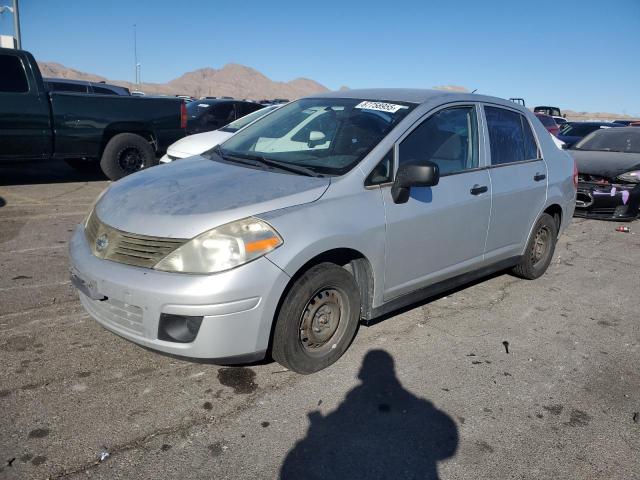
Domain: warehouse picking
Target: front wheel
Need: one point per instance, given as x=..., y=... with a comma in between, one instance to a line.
x=540, y=248
x=126, y=153
x=318, y=319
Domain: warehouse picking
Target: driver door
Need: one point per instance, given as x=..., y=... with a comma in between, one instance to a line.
x=440, y=231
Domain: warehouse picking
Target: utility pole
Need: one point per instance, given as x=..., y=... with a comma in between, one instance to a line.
x=16, y=24
x=135, y=52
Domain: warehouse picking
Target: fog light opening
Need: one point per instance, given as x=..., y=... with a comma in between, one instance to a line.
x=178, y=328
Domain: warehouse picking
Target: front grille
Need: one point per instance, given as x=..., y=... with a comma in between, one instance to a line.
x=129, y=248
x=115, y=313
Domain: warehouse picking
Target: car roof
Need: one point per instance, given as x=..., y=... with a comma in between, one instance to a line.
x=596, y=123
x=414, y=95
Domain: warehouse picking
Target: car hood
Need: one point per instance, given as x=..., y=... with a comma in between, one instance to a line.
x=183, y=199
x=197, y=144
x=606, y=164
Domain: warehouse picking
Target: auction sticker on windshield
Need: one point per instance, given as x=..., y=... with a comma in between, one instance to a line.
x=381, y=106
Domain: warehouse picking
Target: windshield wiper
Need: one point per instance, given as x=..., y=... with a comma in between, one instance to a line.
x=283, y=165
x=233, y=158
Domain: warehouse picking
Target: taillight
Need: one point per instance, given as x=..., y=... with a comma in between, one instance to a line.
x=575, y=174
x=183, y=115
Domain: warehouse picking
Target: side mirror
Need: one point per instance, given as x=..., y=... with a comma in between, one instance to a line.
x=316, y=138
x=418, y=174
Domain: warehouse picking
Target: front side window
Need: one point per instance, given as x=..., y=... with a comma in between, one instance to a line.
x=328, y=136
x=510, y=136
x=448, y=138
x=13, y=78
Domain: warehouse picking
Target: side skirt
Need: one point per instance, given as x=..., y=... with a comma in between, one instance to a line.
x=440, y=287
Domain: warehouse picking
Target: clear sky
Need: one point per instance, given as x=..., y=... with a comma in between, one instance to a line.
x=578, y=54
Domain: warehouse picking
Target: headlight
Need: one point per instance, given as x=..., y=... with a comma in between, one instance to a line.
x=223, y=248
x=632, y=177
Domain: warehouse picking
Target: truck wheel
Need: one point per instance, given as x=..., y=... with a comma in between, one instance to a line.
x=126, y=153
x=318, y=319
x=82, y=165
x=540, y=248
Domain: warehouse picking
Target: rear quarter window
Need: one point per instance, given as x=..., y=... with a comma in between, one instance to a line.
x=13, y=78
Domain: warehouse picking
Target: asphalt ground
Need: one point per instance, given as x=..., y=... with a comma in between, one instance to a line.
x=429, y=392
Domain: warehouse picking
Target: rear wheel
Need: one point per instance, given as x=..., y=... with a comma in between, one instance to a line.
x=318, y=319
x=126, y=153
x=540, y=248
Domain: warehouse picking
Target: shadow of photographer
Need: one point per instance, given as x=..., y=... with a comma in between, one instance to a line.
x=380, y=430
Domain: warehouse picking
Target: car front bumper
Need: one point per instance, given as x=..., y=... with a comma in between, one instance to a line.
x=238, y=306
x=608, y=202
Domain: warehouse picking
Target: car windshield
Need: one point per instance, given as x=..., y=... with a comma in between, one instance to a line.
x=247, y=119
x=326, y=136
x=612, y=140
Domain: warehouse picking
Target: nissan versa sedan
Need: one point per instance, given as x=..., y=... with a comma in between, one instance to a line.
x=330, y=210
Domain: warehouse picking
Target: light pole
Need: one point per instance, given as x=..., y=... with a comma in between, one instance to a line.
x=16, y=21
x=135, y=51
x=16, y=24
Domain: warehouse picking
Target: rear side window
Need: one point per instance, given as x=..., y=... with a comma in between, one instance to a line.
x=510, y=136
x=13, y=78
x=448, y=138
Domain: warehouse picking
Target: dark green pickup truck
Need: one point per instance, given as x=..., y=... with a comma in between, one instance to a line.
x=123, y=133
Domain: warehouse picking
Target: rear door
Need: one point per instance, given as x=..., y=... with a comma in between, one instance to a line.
x=441, y=231
x=518, y=179
x=25, y=128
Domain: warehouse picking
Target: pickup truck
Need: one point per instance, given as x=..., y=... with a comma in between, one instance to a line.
x=123, y=133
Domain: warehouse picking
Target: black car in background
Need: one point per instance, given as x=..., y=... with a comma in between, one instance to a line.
x=608, y=164
x=83, y=86
x=572, y=132
x=625, y=123
x=211, y=114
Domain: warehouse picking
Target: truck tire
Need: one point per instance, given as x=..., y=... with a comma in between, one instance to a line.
x=318, y=319
x=126, y=153
x=540, y=248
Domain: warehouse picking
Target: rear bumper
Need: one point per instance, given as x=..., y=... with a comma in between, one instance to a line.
x=608, y=202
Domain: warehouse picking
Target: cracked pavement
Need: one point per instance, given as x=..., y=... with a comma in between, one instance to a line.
x=429, y=391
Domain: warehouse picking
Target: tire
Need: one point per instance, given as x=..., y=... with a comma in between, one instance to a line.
x=126, y=153
x=318, y=319
x=540, y=248
x=82, y=165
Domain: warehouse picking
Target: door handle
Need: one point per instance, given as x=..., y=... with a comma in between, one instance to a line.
x=539, y=176
x=478, y=189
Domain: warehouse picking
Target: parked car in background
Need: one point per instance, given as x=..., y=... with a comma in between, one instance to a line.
x=608, y=174
x=560, y=121
x=123, y=133
x=83, y=86
x=284, y=241
x=573, y=132
x=549, y=123
x=201, y=142
x=625, y=123
x=206, y=115
x=551, y=111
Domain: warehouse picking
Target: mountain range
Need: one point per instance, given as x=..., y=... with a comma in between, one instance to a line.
x=232, y=80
